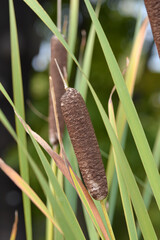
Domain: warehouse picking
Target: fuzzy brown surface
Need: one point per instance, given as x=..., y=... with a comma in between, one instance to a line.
x=84, y=142
x=153, y=10
x=59, y=53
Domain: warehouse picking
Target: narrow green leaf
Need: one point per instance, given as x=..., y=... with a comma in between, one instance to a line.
x=85, y=202
x=69, y=190
x=18, y=180
x=41, y=141
x=130, y=78
x=72, y=33
x=129, y=109
x=27, y=189
x=92, y=208
x=59, y=198
x=113, y=197
x=122, y=186
x=114, y=186
x=134, y=193
x=63, y=201
x=19, y=103
x=58, y=191
x=156, y=153
x=59, y=209
x=87, y=60
x=49, y=226
x=147, y=194
x=59, y=213
x=90, y=226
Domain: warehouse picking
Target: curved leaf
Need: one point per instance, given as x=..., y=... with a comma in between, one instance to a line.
x=129, y=109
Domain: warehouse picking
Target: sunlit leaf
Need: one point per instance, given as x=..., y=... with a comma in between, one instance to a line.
x=130, y=79
x=134, y=193
x=14, y=227
x=19, y=103
x=127, y=206
x=129, y=108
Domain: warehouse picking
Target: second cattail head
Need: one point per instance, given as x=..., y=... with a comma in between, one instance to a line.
x=59, y=53
x=84, y=142
x=153, y=10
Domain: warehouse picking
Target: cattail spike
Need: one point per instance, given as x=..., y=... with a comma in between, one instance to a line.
x=153, y=10
x=84, y=143
x=59, y=53
x=59, y=14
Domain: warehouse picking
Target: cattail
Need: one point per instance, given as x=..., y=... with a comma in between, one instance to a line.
x=84, y=143
x=153, y=10
x=59, y=53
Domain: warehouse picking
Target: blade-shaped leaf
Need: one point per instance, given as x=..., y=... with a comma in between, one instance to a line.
x=122, y=186
x=27, y=190
x=19, y=103
x=59, y=211
x=58, y=191
x=90, y=207
x=85, y=202
x=87, y=59
x=72, y=33
x=69, y=190
x=147, y=194
x=14, y=227
x=156, y=153
x=61, y=165
x=137, y=201
x=130, y=79
x=129, y=108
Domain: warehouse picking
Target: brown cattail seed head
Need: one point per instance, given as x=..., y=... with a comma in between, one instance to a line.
x=59, y=53
x=84, y=142
x=153, y=10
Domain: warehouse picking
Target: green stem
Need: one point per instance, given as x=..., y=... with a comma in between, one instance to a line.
x=107, y=219
x=49, y=225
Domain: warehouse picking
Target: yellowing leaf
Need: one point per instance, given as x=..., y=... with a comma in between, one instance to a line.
x=14, y=227
x=27, y=190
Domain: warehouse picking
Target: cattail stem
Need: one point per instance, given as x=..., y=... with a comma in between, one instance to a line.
x=82, y=46
x=61, y=74
x=62, y=152
x=14, y=227
x=55, y=110
x=36, y=112
x=107, y=219
x=64, y=27
x=49, y=225
x=59, y=14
